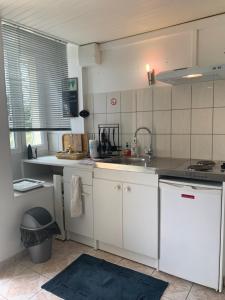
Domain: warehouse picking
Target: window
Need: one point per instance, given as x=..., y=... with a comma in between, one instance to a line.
x=35, y=67
x=34, y=138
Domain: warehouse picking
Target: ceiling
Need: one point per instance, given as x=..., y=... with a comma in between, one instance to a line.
x=85, y=21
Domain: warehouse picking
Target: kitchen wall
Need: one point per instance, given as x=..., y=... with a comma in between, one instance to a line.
x=187, y=121
x=7, y=210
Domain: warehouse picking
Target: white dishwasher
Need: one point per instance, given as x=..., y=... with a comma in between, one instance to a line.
x=190, y=225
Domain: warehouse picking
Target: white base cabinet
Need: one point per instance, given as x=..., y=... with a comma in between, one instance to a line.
x=140, y=219
x=126, y=214
x=107, y=197
x=82, y=225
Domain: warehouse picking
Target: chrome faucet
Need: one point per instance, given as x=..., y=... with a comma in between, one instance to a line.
x=147, y=151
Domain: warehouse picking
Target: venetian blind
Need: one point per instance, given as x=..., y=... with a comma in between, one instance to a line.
x=35, y=67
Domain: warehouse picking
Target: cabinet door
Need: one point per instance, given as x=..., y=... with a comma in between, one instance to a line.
x=140, y=219
x=82, y=225
x=107, y=197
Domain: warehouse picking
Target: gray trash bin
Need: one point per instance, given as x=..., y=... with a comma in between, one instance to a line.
x=37, y=229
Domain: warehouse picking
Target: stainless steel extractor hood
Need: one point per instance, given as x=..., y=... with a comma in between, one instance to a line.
x=194, y=74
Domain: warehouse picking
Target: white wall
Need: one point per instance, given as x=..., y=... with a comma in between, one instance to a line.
x=7, y=230
x=186, y=121
x=123, y=66
x=74, y=70
x=123, y=61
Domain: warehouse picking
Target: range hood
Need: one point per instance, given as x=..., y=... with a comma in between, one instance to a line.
x=194, y=74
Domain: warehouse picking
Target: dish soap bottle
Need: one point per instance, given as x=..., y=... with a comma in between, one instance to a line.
x=127, y=151
x=134, y=147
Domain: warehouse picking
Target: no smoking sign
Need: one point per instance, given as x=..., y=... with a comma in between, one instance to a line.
x=113, y=101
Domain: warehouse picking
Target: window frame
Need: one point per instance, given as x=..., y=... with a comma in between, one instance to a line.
x=44, y=138
x=18, y=142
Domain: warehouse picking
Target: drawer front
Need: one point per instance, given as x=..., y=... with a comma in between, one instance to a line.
x=126, y=176
x=86, y=176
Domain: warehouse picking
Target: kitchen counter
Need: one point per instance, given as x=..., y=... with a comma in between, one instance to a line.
x=54, y=161
x=153, y=167
x=162, y=166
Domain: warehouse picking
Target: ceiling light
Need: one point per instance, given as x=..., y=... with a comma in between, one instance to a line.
x=192, y=76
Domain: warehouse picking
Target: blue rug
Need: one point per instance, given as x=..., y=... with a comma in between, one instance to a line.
x=90, y=278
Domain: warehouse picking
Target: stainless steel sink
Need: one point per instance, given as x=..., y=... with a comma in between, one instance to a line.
x=135, y=161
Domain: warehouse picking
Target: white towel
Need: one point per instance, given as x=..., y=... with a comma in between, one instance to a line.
x=76, y=200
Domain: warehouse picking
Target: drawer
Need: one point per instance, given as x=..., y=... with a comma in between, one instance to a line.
x=125, y=176
x=86, y=176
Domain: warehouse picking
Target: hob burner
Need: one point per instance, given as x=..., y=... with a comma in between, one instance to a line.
x=202, y=165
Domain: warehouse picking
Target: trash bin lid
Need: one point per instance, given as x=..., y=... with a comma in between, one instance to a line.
x=36, y=217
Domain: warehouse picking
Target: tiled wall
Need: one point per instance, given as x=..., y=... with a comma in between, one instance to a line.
x=187, y=121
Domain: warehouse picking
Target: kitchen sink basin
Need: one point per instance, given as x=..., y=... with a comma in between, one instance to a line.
x=135, y=161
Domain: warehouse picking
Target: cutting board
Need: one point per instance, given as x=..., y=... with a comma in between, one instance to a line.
x=78, y=142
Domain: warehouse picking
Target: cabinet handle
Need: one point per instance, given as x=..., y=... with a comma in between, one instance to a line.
x=117, y=187
x=127, y=189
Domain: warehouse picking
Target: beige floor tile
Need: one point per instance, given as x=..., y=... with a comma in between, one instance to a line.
x=69, y=247
x=177, y=290
x=199, y=292
x=44, y=295
x=9, y=271
x=106, y=256
x=26, y=261
x=55, y=265
x=136, y=266
x=164, y=276
x=22, y=286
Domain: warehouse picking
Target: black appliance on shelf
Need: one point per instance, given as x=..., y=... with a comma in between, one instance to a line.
x=70, y=97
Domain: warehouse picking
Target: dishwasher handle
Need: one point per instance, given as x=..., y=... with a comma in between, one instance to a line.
x=189, y=187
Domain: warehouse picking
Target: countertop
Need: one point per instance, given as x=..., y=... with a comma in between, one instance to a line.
x=162, y=166
x=52, y=160
x=156, y=164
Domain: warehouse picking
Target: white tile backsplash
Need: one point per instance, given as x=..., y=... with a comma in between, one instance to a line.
x=161, y=97
x=144, y=99
x=201, y=146
x=128, y=123
x=219, y=147
x=202, y=94
x=128, y=101
x=161, y=145
x=181, y=121
x=113, y=102
x=219, y=120
x=181, y=96
x=162, y=122
x=181, y=146
x=202, y=121
x=113, y=118
x=143, y=141
x=99, y=103
x=184, y=125
x=219, y=93
x=127, y=138
x=99, y=119
x=144, y=119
